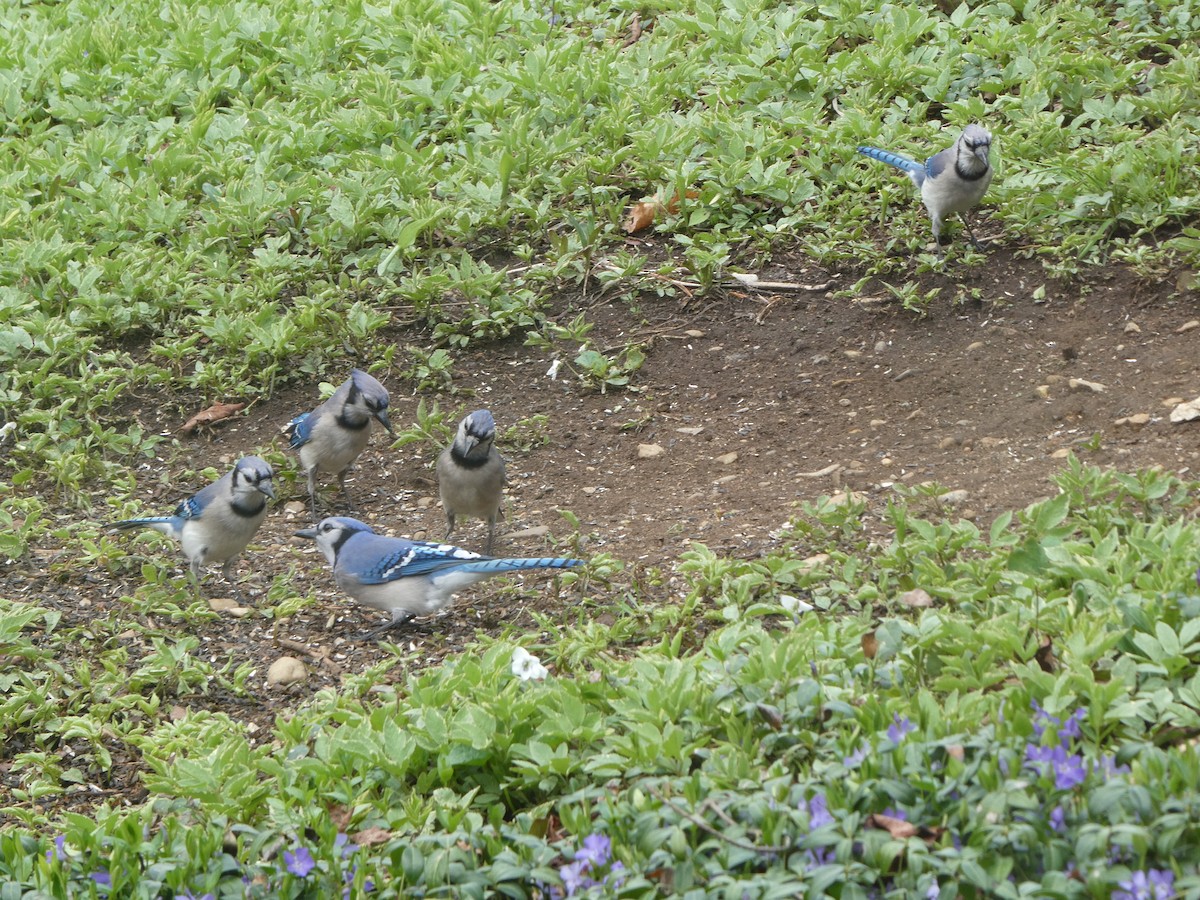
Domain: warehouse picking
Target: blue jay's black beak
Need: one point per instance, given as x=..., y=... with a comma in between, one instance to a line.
x=382, y=416
x=310, y=533
x=265, y=487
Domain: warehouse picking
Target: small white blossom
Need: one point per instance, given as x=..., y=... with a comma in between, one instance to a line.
x=526, y=666
x=552, y=372
x=6, y=429
x=794, y=605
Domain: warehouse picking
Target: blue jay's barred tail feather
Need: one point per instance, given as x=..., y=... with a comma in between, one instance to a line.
x=126, y=524
x=892, y=159
x=495, y=566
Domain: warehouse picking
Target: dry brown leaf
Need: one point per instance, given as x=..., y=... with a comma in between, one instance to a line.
x=369, y=836
x=956, y=751
x=916, y=599
x=870, y=646
x=211, y=416
x=340, y=816
x=641, y=216
x=902, y=830
x=897, y=828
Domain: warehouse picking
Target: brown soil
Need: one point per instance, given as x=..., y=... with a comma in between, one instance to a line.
x=813, y=395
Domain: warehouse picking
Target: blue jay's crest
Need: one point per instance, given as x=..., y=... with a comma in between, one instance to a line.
x=480, y=424
x=298, y=431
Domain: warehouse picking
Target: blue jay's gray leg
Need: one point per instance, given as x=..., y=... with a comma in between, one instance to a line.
x=491, y=534
x=400, y=621
x=312, y=491
x=230, y=579
x=970, y=233
x=345, y=490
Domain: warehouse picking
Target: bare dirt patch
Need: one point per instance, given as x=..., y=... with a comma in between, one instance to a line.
x=759, y=402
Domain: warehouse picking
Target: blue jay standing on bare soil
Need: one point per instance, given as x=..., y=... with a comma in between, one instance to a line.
x=952, y=181
x=332, y=436
x=471, y=473
x=406, y=578
x=218, y=522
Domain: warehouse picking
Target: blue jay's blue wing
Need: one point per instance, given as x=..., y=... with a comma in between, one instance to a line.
x=936, y=164
x=299, y=430
x=189, y=508
x=407, y=559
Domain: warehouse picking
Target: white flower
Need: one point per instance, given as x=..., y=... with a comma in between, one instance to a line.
x=552, y=372
x=6, y=429
x=794, y=605
x=527, y=667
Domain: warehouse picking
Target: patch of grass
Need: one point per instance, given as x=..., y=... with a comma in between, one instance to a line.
x=1028, y=720
x=214, y=202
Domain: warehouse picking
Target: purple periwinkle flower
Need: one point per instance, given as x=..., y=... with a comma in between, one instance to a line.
x=300, y=862
x=574, y=876
x=818, y=812
x=893, y=813
x=899, y=728
x=102, y=878
x=59, y=851
x=1069, y=771
x=854, y=759
x=617, y=874
x=935, y=891
x=1152, y=884
x=597, y=850
x=1058, y=818
x=1070, y=729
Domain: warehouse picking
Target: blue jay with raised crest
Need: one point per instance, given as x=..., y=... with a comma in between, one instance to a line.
x=406, y=578
x=332, y=436
x=952, y=181
x=218, y=522
x=471, y=474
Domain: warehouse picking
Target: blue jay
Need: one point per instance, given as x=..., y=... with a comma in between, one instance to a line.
x=406, y=578
x=951, y=181
x=471, y=473
x=331, y=437
x=218, y=522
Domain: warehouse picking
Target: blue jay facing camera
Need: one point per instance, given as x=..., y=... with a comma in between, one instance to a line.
x=471, y=474
x=218, y=522
x=952, y=181
x=406, y=578
x=332, y=436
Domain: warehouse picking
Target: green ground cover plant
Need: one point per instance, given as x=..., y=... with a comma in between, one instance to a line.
x=217, y=199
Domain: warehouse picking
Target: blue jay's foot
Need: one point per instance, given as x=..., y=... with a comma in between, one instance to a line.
x=374, y=633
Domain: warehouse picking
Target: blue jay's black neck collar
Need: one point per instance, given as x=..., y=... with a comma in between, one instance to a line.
x=469, y=461
x=246, y=507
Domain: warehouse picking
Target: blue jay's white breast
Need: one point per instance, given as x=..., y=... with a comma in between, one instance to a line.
x=948, y=195
x=219, y=534
x=333, y=448
x=416, y=595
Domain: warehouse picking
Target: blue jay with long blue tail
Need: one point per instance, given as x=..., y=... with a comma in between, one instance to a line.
x=332, y=436
x=218, y=522
x=952, y=181
x=406, y=578
x=471, y=474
